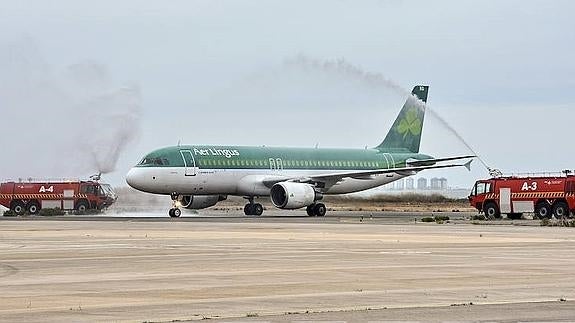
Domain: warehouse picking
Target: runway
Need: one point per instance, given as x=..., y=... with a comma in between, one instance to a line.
x=351, y=267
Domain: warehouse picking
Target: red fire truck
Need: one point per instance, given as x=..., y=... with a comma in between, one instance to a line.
x=513, y=195
x=31, y=196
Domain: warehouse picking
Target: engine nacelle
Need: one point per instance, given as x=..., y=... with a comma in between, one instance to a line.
x=288, y=195
x=195, y=202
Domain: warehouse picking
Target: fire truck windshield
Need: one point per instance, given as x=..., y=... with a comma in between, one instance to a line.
x=481, y=188
x=107, y=190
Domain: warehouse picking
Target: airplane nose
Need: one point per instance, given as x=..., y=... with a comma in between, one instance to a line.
x=131, y=178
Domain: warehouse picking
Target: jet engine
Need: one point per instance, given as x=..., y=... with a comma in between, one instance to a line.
x=195, y=202
x=288, y=195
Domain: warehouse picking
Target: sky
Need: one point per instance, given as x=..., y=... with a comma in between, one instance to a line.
x=94, y=86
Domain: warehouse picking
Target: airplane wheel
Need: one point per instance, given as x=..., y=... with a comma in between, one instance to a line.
x=249, y=209
x=310, y=210
x=319, y=209
x=175, y=213
x=257, y=209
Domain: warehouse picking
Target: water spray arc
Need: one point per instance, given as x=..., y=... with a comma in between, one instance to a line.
x=342, y=68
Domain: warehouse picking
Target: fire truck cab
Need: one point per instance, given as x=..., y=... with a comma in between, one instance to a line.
x=513, y=195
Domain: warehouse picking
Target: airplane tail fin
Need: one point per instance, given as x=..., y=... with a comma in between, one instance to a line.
x=405, y=133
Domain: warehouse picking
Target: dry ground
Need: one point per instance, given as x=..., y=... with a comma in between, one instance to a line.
x=104, y=269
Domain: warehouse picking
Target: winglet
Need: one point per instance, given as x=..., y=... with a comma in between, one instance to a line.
x=468, y=165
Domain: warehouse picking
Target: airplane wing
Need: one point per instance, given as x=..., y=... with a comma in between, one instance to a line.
x=330, y=179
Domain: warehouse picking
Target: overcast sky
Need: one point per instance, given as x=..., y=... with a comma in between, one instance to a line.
x=100, y=85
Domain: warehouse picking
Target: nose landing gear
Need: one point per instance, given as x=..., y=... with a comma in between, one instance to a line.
x=175, y=212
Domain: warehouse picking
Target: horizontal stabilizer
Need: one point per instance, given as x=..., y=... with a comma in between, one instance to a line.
x=468, y=165
x=423, y=162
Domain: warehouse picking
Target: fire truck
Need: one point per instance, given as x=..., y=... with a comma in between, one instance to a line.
x=513, y=195
x=32, y=196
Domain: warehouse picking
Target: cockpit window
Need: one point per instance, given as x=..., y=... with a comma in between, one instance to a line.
x=165, y=157
x=158, y=161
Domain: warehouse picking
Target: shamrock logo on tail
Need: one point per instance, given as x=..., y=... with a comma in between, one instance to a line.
x=411, y=123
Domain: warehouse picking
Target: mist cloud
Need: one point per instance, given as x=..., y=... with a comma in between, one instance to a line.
x=66, y=122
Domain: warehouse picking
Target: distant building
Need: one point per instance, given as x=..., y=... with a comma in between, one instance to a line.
x=409, y=183
x=434, y=183
x=443, y=183
x=422, y=183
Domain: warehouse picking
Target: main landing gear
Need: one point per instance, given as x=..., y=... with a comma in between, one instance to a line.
x=253, y=208
x=318, y=209
x=175, y=212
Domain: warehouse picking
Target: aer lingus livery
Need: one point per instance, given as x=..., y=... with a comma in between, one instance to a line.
x=199, y=176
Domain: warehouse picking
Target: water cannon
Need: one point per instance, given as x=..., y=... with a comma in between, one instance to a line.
x=494, y=172
x=96, y=177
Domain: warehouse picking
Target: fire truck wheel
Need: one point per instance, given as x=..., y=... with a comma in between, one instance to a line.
x=491, y=210
x=561, y=210
x=33, y=207
x=82, y=206
x=18, y=207
x=542, y=210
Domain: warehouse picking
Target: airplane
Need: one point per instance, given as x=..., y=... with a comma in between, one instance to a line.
x=199, y=176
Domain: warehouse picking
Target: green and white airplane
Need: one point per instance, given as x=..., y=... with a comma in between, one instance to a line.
x=199, y=176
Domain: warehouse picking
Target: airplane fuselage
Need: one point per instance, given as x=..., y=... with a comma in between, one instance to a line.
x=242, y=170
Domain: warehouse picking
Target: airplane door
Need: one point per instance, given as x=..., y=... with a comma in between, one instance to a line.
x=189, y=162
